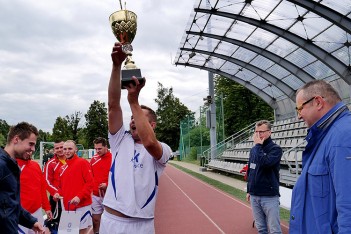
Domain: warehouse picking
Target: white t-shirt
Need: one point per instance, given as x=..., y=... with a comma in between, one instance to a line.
x=133, y=178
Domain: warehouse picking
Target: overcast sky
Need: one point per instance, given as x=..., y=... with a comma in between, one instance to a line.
x=55, y=56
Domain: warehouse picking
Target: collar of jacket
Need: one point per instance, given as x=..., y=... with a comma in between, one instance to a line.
x=319, y=128
x=324, y=122
x=71, y=160
x=267, y=141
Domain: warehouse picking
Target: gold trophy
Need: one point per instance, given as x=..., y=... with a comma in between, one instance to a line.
x=124, y=26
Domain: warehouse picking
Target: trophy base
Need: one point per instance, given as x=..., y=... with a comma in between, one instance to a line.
x=127, y=75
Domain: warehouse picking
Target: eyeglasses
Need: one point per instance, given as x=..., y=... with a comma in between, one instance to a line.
x=260, y=132
x=299, y=108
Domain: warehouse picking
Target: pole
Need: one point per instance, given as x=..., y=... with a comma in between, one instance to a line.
x=213, y=137
x=200, y=130
x=222, y=112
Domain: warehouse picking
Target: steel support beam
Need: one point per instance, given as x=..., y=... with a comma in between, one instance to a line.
x=333, y=63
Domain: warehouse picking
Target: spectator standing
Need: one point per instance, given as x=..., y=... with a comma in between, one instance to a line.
x=20, y=144
x=321, y=201
x=138, y=160
x=33, y=192
x=100, y=168
x=50, y=154
x=52, y=172
x=263, y=180
x=76, y=185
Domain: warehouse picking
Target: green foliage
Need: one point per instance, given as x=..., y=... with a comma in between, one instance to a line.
x=241, y=106
x=61, y=130
x=2, y=140
x=193, y=154
x=73, y=122
x=4, y=129
x=96, y=122
x=170, y=112
x=67, y=128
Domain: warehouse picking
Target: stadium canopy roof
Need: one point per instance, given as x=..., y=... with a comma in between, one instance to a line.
x=272, y=47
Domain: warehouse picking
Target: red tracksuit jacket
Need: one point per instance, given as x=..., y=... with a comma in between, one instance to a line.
x=52, y=172
x=100, y=167
x=76, y=180
x=33, y=186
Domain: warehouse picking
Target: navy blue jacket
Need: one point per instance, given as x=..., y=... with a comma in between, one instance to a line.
x=263, y=169
x=11, y=211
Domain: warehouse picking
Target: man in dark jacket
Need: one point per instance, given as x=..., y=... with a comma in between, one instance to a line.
x=20, y=144
x=263, y=179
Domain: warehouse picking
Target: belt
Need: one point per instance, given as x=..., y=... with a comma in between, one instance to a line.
x=115, y=212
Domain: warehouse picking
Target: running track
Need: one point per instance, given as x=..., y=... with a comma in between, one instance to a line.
x=188, y=205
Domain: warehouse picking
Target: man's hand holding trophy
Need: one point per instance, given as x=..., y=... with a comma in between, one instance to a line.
x=124, y=27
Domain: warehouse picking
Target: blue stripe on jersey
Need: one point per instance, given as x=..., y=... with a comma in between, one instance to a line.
x=86, y=213
x=153, y=192
x=20, y=230
x=113, y=179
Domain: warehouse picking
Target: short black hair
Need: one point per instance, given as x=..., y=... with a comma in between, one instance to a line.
x=23, y=130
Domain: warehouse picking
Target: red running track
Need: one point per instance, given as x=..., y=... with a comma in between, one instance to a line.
x=188, y=205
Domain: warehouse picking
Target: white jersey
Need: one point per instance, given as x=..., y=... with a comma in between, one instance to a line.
x=133, y=179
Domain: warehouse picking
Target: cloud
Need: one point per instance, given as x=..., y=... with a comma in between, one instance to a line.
x=55, y=57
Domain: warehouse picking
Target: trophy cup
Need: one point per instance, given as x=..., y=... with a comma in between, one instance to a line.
x=124, y=26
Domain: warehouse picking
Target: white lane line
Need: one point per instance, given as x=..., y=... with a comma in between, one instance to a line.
x=225, y=194
x=219, y=229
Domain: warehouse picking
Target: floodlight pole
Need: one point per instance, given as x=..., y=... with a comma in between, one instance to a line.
x=213, y=139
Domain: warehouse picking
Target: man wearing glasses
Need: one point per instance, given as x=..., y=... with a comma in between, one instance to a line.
x=321, y=201
x=263, y=179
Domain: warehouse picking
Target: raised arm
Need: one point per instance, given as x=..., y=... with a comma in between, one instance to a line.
x=145, y=128
x=115, y=119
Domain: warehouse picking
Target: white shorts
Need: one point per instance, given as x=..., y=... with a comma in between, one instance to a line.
x=96, y=206
x=37, y=214
x=111, y=224
x=86, y=220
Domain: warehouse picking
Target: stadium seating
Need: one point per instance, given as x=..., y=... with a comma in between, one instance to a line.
x=289, y=134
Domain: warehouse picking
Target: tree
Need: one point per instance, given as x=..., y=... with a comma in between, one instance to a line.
x=4, y=129
x=61, y=130
x=241, y=106
x=96, y=122
x=170, y=112
x=67, y=128
x=73, y=122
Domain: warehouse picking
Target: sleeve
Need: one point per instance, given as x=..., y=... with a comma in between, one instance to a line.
x=340, y=165
x=88, y=180
x=44, y=197
x=49, y=177
x=26, y=219
x=91, y=165
x=166, y=154
x=115, y=140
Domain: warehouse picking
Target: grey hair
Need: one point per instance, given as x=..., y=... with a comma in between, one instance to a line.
x=266, y=122
x=320, y=88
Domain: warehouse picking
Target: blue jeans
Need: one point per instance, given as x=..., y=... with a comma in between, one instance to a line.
x=265, y=211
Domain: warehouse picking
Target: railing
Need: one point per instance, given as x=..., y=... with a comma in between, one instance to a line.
x=291, y=157
x=230, y=142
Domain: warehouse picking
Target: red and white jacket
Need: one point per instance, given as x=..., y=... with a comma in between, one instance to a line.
x=100, y=167
x=52, y=172
x=33, y=187
x=76, y=179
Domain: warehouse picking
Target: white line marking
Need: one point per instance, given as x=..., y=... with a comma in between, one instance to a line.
x=219, y=229
x=212, y=187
